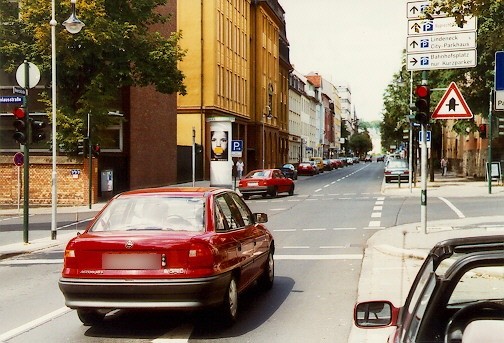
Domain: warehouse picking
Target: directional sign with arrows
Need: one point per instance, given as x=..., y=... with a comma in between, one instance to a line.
x=452, y=105
x=438, y=42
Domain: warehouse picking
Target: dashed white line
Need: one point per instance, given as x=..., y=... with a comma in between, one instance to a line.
x=376, y=215
x=320, y=257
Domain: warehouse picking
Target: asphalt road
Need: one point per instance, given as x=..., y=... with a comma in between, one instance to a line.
x=320, y=235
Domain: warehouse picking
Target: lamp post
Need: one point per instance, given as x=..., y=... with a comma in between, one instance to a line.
x=73, y=25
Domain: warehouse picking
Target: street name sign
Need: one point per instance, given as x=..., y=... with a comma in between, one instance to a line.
x=452, y=105
x=416, y=9
x=442, y=60
x=11, y=99
x=441, y=42
x=439, y=25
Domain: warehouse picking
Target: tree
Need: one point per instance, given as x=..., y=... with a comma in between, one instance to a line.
x=361, y=143
x=119, y=47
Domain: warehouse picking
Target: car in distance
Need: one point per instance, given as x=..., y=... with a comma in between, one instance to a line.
x=319, y=161
x=368, y=158
x=395, y=170
x=457, y=294
x=289, y=170
x=265, y=182
x=168, y=248
x=307, y=168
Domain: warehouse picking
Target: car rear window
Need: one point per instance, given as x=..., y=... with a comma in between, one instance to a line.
x=259, y=174
x=152, y=213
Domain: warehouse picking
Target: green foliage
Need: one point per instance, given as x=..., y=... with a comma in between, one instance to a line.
x=116, y=49
x=361, y=143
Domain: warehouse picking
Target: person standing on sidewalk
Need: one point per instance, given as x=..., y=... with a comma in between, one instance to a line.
x=239, y=168
x=444, y=166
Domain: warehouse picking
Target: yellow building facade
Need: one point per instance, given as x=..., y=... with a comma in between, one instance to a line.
x=232, y=70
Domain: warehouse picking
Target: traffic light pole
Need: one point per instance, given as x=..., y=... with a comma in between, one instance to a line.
x=26, y=164
x=423, y=197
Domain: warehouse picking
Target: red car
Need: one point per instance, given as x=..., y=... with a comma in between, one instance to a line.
x=265, y=182
x=168, y=248
x=307, y=168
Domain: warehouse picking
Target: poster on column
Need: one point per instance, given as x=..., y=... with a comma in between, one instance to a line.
x=221, y=165
x=219, y=143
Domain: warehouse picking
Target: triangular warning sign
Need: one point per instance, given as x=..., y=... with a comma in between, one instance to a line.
x=452, y=105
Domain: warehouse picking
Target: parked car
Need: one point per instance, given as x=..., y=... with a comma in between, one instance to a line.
x=167, y=248
x=265, y=182
x=396, y=169
x=289, y=170
x=327, y=164
x=307, y=168
x=336, y=163
x=380, y=158
x=349, y=161
x=368, y=158
x=320, y=163
x=457, y=295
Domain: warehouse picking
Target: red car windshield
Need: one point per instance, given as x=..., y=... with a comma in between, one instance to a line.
x=152, y=212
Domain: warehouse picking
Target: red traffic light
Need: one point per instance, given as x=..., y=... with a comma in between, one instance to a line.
x=19, y=112
x=422, y=91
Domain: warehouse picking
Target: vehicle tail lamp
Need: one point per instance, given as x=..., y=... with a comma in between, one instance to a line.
x=201, y=256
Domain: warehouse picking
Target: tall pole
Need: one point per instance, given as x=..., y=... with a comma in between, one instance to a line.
x=410, y=150
x=193, y=154
x=26, y=165
x=53, y=98
x=263, y=141
x=90, y=161
x=489, y=167
x=423, y=198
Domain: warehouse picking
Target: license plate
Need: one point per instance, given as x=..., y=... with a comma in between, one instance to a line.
x=131, y=261
x=253, y=184
x=396, y=173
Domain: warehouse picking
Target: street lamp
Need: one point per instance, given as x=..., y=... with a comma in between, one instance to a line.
x=73, y=25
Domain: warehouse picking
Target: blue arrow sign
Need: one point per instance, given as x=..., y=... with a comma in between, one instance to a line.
x=11, y=99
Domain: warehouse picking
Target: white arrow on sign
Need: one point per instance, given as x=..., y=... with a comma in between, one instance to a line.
x=452, y=105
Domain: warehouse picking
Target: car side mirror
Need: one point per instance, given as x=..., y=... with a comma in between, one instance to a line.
x=375, y=314
x=260, y=217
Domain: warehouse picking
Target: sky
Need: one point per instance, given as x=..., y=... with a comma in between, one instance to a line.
x=354, y=42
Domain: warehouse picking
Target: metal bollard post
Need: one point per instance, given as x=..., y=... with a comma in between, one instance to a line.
x=399, y=180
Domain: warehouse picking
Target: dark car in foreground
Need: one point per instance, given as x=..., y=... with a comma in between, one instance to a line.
x=168, y=248
x=458, y=294
x=265, y=182
x=290, y=171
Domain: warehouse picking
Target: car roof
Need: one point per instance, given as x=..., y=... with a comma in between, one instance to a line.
x=178, y=191
x=466, y=245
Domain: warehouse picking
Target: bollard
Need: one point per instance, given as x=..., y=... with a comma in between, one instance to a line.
x=399, y=180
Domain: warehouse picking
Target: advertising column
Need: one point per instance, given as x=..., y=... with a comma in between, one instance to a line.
x=221, y=163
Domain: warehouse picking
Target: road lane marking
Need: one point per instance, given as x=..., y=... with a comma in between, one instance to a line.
x=318, y=190
x=450, y=205
x=296, y=247
x=333, y=247
x=316, y=229
x=377, y=208
x=180, y=334
x=376, y=215
x=344, y=228
x=374, y=223
x=35, y=261
x=320, y=257
x=33, y=324
x=285, y=230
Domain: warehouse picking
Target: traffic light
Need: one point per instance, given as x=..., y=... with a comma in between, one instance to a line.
x=422, y=104
x=21, y=134
x=37, y=130
x=81, y=147
x=96, y=150
x=482, y=128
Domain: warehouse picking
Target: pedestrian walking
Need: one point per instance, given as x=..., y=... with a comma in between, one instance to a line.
x=239, y=168
x=444, y=166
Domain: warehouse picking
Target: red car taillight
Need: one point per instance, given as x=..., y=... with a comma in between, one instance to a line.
x=200, y=256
